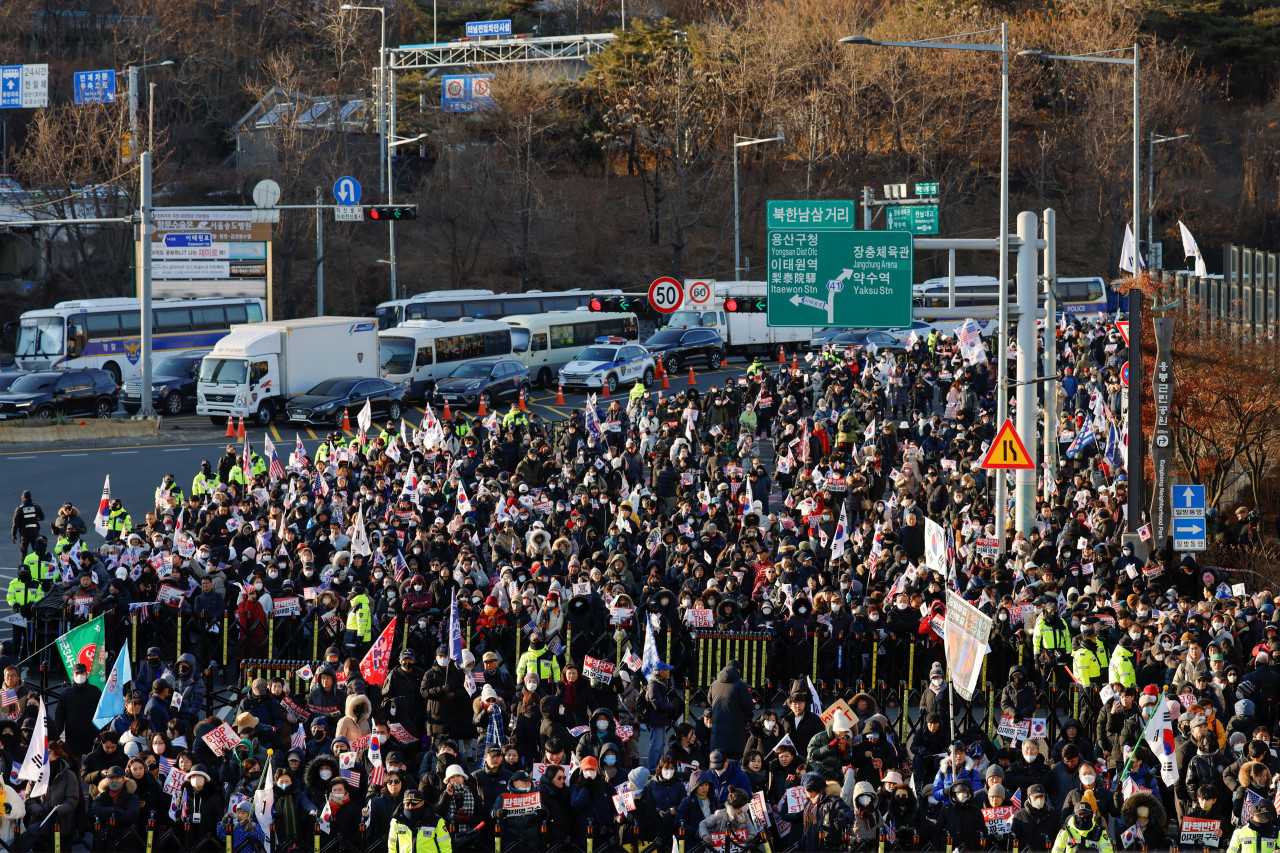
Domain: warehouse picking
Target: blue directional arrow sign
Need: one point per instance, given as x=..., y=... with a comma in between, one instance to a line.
x=1188, y=501
x=1189, y=534
x=347, y=191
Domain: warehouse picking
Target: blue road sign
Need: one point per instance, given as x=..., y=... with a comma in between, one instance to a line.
x=1189, y=534
x=95, y=87
x=466, y=93
x=10, y=86
x=1188, y=501
x=481, y=29
x=180, y=241
x=347, y=191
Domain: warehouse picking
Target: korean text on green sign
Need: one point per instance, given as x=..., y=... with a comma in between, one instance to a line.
x=823, y=272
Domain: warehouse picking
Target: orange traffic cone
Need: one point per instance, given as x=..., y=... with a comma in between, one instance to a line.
x=604, y=389
x=448, y=415
x=795, y=362
x=346, y=421
x=240, y=429
x=559, y=395
x=522, y=407
x=692, y=379
x=782, y=356
x=662, y=374
x=483, y=411
x=231, y=428
x=724, y=361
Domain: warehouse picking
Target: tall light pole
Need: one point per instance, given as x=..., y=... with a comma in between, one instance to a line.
x=742, y=142
x=1002, y=360
x=1154, y=139
x=391, y=225
x=382, y=90
x=134, y=106
x=1098, y=56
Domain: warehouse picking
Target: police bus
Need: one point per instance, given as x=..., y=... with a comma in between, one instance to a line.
x=445, y=305
x=417, y=353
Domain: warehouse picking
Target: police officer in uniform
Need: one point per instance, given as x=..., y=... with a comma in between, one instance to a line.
x=169, y=489
x=26, y=522
x=24, y=592
x=119, y=522
x=204, y=482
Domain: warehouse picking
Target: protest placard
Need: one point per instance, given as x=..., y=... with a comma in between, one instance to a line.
x=518, y=804
x=600, y=670
x=1198, y=832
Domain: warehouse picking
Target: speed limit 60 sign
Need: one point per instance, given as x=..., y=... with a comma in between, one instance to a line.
x=697, y=291
x=665, y=295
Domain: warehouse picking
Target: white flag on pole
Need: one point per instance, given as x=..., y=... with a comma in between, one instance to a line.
x=365, y=419
x=104, y=508
x=360, y=538
x=35, y=767
x=1130, y=260
x=1190, y=249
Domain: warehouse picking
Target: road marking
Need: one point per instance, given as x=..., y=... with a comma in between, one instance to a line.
x=121, y=452
x=176, y=449
x=139, y=446
x=22, y=457
x=75, y=454
x=275, y=433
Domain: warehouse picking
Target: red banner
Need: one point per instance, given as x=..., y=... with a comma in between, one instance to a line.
x=375, y=663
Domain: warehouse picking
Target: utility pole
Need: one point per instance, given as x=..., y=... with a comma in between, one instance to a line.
x=144, y=277
x=319, y=256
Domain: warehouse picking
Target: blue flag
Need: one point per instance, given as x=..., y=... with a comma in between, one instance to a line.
x=1114, y=453
x=111, y=704
x=455, y=631
x=651, y=663
x=1083, y=439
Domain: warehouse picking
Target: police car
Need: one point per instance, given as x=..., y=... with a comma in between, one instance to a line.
x=609, y=361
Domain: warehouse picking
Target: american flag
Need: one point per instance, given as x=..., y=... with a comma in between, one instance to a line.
x=1016, y=799
x=9, y=697
x=164, y=764
x=275, y=470
x=352, y=775
x=299, y=739
x=377, y=776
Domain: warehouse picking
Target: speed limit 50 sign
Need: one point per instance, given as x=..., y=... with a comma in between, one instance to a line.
x=666, y=294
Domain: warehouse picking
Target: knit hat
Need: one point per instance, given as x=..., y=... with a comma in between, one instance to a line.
x=638, y=778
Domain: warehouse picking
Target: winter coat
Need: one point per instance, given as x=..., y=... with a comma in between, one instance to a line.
x=962, y=823
x=74, y=716
x=802, y=729
x=448, y=703
x=825, y=756
x=519, y=829
x=692, y=811
x=357, y=722
x=191, y=688
x=593, y=742
x=122, y=807
x=325, y=701
x=402, y=692
x=1035, y=829
x=592, y=801
x=731, y=711
x=945, y=778
x=1154, y=836
x=316, y=786
x=866, y=819
x=730, y=776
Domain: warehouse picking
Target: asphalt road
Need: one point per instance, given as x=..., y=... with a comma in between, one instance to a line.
x=71, y=473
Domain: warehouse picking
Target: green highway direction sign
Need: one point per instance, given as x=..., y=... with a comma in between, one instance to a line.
x=916, y=218
x=923, y=190
x=824, y=272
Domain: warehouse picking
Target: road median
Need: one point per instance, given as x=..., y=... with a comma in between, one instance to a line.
x=89, y=432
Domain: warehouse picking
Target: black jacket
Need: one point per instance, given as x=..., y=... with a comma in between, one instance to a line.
x=74, y=717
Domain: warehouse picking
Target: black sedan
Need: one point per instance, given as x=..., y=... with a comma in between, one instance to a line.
x=492, y=379
x=859, y=338
x=679, y=348
x=325, y=403
x=173, y=385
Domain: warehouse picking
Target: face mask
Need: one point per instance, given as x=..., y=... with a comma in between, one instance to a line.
x=326, y=774
x=962, y=797
x=417, y=587
x=875, y=617
x=601, y=725
x=422, y=623
x=1135, y=635
x=590, y=774
x=257, y=585
x=668, y=772
x=835, y=607
x=81, y=679
x=1037, y=802
x=280, y=786
x=937, y=682
x=273, y=574
x=1088, y=780
x=197, y=782
x=531, y=686
x=802, y=610
x=611, y=759
x=442, y=661
x=115, y=784
x=864, y=801
x=770, y=725
x=1143, y=614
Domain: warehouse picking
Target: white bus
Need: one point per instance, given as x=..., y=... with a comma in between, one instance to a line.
x=544, y=343
x=445, y=305
x=418, y=352
x=105, y=333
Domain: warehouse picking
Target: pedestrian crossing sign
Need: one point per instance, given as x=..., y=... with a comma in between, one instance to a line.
x=1007, y=451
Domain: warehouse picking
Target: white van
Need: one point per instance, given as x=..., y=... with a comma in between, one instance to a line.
x=544, y=343
x=417, y=353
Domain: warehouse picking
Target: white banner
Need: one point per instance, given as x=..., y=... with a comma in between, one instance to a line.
x=935, y=547
x=965, y=634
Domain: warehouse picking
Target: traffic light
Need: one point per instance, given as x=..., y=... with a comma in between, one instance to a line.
x=746, y=304
x=391, y=213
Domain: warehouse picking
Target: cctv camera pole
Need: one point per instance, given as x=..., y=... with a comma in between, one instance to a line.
x=144, y=283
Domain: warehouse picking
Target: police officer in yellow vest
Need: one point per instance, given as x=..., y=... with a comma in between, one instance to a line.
x=24, y=592
x=1259, y=833
x=637, y=391
x=460, y=425
x=515, y=417
x=359, y=619
x=539, y=660
x=38, y=563
x=1121, y=669
x=205, y=482
x=257, y=464
x=1084, y=831
x=416, y=828
x=1050, y=634
x=237, y=474
x=69, y=543
x=119, y=522
x=169, y=489
x=1085, y=665
x=755, y=367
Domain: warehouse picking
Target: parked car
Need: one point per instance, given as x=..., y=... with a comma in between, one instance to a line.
x=679, y=348
x=492, y=379
x=48, y=393
x=325, y=403
x=173, y=384
x=609, y=361
x=879, y=338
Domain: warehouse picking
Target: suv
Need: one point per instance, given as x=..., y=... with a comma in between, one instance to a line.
x=52, y=392
x=173, y=384
x=680, y=347
x=609, y=361
x=489, y=379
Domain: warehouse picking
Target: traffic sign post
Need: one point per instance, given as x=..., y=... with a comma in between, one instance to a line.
x=95, y=87
x=1007, y=452
x=346, y=190
x=666, y=294
x=926, y=190
x=1189, y=534
x=918, y=219
x=1188, y=501
x=698, y=291
x=823, y=272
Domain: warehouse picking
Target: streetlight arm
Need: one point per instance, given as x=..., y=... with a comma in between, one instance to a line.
x=1106, y=60
x=931, y=45
x=745, y=141
x=399, y=142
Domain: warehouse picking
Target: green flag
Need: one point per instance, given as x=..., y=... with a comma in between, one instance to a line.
x=86, y=644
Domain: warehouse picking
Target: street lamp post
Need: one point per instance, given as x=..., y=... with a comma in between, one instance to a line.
x=391, y=225
x=1154, y=139
x=134, y=106
x=382, y=90
x=1002, y=361
x=742, y=142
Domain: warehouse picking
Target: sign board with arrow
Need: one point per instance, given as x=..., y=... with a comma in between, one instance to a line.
x=1188, y=501
x=823, y=272
x=1189, y=534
